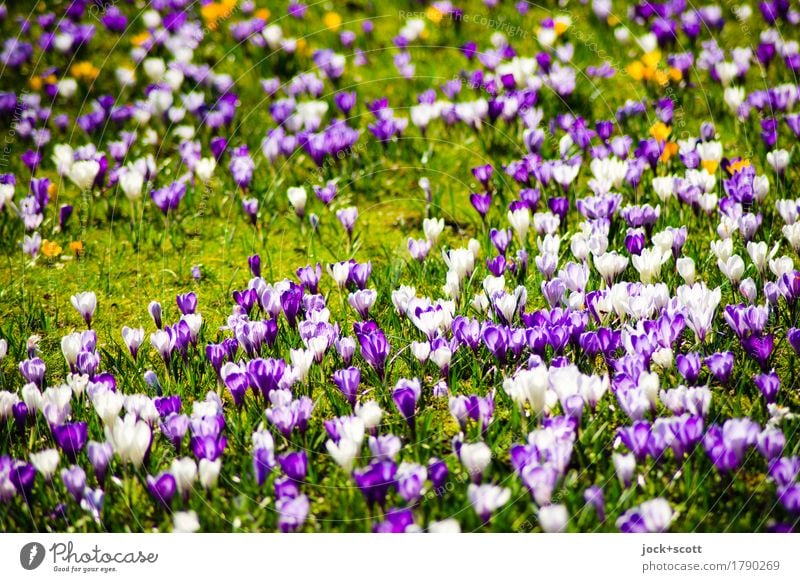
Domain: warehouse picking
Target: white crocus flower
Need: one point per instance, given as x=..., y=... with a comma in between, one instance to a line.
x=208, y=472
x=297, y=198
x=520, y=221
x=686, y=269
x=733, y=268
x=649, y=262
x=185, y=472
x=475, y=457
x=185, y=522
x=130, y=439
x=553, y=518
x=433, y=227
x=131, y=183
x=204, y=169
x=46, y=462
x=83, y=173
x=610, y=265
x=370, y=413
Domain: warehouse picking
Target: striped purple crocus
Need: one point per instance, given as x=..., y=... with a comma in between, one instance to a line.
x=374, y=346
x=348, y=380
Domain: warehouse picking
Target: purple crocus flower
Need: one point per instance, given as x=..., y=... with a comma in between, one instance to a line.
x=496, y=339
x=263, y=463
x=346, y=348
x=237, y=384
x=64, y=213
x=216, y=355
x=295, y=465
x=784, y=471
x=250, y=207
x=483, y=174
x=99, y=455
x=347, y=218
x=246, y=299
x=309, y=277
x=20, y=412
x=790, y=498
x=154, y=308
x=636, y=438
x=162, y=488
x=187, y=303
x=759, y=348
x=359, y=274
x=74, y=480
x=174, y=427
x=347, y=380
x=398, y=520
x=771, y=443
x=22, y=476
x=768, y=384
x=437, y=473
x=265, y=374
x=33, y=370
x=594, y=497
x=326, y=193
x=689, y=366
x=481, y=203
x=71, y=438
x=720, y=365
x=726, y=445
x=208, y=447
x=374, y=346
x=290, y=303
x=375, y=481
x=254, y=262
x=406, y=394
x=292, y=512
x=345, y=100
x=169, y=197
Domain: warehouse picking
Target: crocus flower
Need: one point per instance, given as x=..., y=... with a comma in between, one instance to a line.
x=295, y=465
x=594, y=497
x=99, y=455
x=169, y=197
x=74, y=479
x=768, y=384
x=486, y=499
x=398, y=520
x=347, y=380
x=162, y=488
x=553, y=518
x=347, y=218
x=85, y=304
x=292, y=512
x=133, y=338
x=71, y=438
x=130, y=439
x=254, y=262
x=720, y=365
x=154, y=308
x=654, y=516
x=187, y=302
x=375, y=481
x=374, y=346
x=406, y=394
x=46, y=462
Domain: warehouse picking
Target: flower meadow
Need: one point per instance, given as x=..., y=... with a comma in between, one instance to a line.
x=399, y=267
